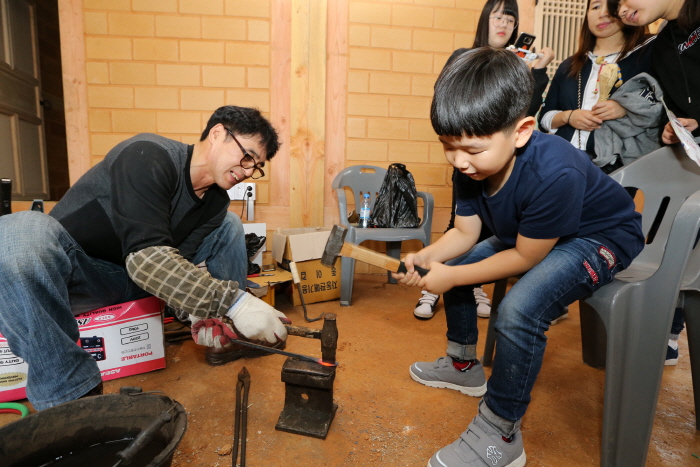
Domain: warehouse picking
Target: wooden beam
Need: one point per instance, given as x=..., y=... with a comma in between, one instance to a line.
x=336, y=101
x=308, y=104
x=70, y=19
x=526, y=10
x=280, y=96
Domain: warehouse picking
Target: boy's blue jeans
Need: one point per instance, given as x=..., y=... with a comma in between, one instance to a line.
x=46, y=278
x=572, y=270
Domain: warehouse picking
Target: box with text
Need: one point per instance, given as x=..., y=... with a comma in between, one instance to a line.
x=305, y=247
x=124, y=339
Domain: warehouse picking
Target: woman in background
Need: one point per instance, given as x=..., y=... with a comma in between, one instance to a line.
x=571, y=108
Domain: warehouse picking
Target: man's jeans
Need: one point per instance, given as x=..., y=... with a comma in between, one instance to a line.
x=46, y=278
x=572, y=270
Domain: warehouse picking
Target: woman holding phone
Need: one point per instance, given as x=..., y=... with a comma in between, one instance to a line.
x=497, y=27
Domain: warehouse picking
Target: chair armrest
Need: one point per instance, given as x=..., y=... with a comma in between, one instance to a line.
x=428, y=204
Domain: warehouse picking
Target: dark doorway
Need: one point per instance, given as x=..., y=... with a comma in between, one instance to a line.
x=51, y=78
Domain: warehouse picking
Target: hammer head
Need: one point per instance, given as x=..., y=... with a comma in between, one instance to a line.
x=334, y=245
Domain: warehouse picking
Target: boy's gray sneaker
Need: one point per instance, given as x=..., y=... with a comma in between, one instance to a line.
x=481, y=445
x=441, y=374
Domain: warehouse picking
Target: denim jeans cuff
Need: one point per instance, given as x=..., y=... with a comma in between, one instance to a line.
x=506, y=427
x=461, y=352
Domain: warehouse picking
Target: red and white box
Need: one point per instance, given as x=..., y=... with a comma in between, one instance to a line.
x=124, y=339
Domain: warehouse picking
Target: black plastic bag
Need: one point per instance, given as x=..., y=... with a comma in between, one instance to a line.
x=396, y=204
x=253, y=243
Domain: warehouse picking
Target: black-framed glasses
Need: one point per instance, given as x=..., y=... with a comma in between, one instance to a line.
x=248, y=161
x=507, y=21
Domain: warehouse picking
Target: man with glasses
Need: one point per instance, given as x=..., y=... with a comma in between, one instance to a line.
x=150, y=219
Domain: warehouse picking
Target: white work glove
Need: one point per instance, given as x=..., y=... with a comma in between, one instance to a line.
x=256, y=320
x=211, y=332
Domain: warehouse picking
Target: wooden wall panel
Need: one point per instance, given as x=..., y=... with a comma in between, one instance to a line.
x=280, y=105
x=336, y=103
x=70, y=17
x=308, y=85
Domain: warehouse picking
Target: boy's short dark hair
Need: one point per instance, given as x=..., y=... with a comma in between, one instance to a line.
x=245, y=121
x=482, y=92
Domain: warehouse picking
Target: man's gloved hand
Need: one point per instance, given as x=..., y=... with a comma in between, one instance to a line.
x=211, y=332
x=256, y=320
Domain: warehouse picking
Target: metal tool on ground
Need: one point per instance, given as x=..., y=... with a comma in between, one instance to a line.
x=297, y=282
x=282, y=352
x=240, y=426
x=308, y=402
x=337, y=246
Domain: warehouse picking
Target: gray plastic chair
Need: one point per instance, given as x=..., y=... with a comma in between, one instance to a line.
x=368, y=179
x=690, y=289
x=635, y=311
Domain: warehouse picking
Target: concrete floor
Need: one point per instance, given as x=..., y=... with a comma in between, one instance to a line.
x=384, y=418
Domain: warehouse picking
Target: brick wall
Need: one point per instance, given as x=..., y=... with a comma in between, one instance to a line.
x=163, y=66
x=396, y=51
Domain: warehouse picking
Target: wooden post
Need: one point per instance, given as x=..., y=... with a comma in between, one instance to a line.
x=308, y=118
x=280, y=97
x=70, y=19
x=336, y=103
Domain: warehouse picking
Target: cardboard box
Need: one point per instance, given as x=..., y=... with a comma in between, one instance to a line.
x=319, y=283
x=124, y=339
x=305, y=247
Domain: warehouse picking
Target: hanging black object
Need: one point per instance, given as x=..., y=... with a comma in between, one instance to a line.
x=5, y=196
x=253, y=243
x=396, y=204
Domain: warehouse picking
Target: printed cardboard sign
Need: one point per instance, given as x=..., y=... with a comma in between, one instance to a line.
x=124, y=339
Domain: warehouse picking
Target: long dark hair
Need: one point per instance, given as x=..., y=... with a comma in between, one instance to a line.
x=586, y=42
x=688, y=16
x=510, y=7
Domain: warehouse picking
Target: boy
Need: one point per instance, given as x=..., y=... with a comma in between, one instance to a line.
x=557, y=218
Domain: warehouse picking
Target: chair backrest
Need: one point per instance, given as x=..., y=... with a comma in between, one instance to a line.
x=360, y=179
x=666, y=177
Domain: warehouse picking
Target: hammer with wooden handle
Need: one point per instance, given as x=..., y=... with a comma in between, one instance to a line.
x=337, y=246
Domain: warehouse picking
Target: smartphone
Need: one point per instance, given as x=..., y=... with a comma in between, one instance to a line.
x=525, y=41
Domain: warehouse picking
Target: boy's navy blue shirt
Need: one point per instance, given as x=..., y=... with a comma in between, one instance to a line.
x=554, y=190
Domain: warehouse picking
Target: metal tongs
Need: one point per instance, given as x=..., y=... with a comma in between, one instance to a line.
x=240, y=428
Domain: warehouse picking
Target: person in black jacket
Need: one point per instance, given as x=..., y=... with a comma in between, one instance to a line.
x=676, y=54
x=497, y=27
x=572, y=109
x=676, y=66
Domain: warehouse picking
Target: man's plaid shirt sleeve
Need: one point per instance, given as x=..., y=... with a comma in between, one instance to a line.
x=163, y=272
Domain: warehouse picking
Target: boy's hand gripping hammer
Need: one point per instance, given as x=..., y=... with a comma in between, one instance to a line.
x=337, y=246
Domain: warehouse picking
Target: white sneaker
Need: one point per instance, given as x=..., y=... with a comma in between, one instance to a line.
x=425, y=308
x=672, y=353
x=563, y=316
x=483, y=304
